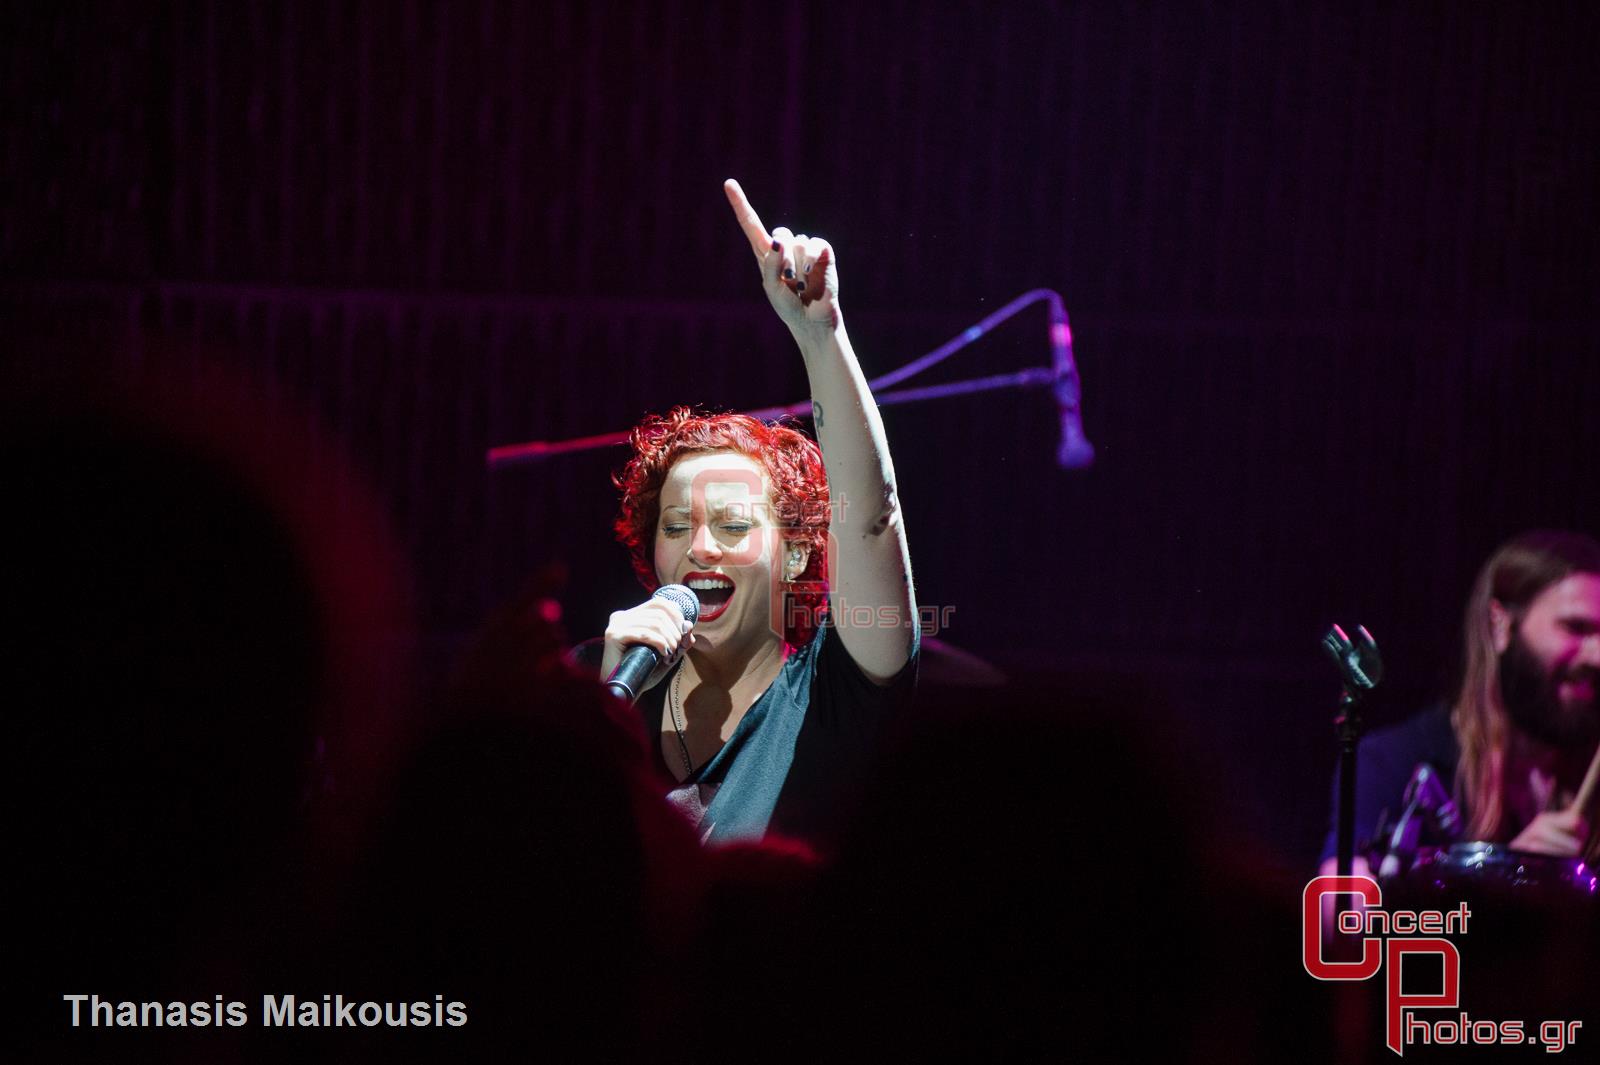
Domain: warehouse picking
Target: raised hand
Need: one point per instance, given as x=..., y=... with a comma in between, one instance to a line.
x=799, y=273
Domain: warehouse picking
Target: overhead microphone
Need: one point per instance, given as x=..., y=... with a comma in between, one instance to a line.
x=1427, y=806
x=1074, y=452
x=639, y=661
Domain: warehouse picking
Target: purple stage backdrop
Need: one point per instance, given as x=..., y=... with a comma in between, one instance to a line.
x=1331, y=269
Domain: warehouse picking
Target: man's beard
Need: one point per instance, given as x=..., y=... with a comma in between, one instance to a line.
x=1532, y=698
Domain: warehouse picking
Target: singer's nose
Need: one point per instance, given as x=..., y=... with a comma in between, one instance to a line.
x=704, y=550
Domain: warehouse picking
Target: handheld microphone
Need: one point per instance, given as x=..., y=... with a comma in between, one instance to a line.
x=639, y=661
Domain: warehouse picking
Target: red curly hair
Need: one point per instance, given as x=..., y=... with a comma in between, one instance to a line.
x=791, y=459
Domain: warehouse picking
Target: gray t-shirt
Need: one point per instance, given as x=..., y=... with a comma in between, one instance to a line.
x=797, y=756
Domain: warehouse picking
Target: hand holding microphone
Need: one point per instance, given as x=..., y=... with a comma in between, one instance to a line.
x=645, y=642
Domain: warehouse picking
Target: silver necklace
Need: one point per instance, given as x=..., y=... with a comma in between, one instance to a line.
x=672, y=707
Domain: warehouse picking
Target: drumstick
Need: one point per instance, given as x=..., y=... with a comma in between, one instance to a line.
x=1591, y=783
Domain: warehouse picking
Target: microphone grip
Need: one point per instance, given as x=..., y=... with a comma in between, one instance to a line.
x=627, y=680
x=639, y=661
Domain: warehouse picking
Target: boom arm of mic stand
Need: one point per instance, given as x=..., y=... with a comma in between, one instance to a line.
x=1074, y=451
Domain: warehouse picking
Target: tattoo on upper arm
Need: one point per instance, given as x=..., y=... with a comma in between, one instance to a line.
x=890, y=513
x=816, y=413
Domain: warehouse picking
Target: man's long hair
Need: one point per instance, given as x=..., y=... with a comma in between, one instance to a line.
x=1514, y=576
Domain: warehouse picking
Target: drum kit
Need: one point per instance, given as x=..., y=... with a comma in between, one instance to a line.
x=1487, y=873
x=1493, y=872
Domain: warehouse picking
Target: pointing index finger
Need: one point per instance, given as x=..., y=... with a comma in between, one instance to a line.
x=749, y=221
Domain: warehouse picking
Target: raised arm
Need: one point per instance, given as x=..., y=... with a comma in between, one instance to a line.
x=869, y=562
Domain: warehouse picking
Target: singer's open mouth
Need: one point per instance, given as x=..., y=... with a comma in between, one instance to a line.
x=713, y=590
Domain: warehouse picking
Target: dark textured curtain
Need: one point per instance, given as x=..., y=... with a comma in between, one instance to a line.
x=1331, y=271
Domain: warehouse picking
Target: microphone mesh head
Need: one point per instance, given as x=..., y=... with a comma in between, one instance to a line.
x=686, y=600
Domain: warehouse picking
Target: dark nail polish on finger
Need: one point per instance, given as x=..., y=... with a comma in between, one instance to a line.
x=776, y=245
x=788, y=271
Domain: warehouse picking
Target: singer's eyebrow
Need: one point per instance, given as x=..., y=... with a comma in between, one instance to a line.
x=743, y=508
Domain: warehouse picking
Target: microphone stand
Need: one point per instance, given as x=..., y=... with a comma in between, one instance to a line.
x=1349, y=726
x=1360, y=670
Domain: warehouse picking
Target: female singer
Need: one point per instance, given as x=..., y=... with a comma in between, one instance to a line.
x=765, y=708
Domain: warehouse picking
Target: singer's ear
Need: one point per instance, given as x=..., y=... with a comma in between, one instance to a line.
x=796, y=555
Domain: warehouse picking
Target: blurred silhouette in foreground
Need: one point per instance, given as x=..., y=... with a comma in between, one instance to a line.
x=200, y=600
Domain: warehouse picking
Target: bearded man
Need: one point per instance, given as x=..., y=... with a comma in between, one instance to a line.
x=1514, y=746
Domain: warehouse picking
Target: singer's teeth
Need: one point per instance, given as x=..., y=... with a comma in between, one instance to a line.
x=713, y=598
